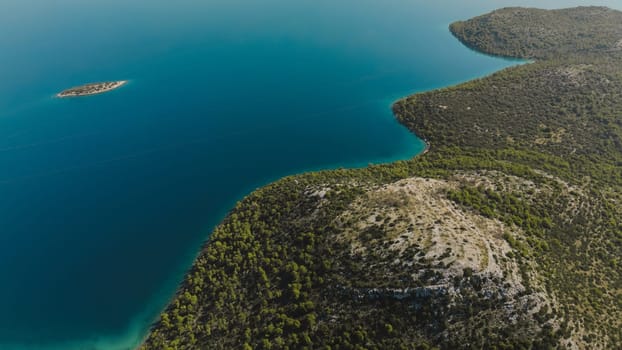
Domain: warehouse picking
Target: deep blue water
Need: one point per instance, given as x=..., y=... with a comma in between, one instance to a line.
x=105, y=200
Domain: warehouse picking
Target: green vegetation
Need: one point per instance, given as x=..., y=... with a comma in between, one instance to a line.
x=528, y=158
x=91, y=89
x=543, y=34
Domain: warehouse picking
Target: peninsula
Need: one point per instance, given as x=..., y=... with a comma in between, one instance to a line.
x=91, y=89
x=507, y=234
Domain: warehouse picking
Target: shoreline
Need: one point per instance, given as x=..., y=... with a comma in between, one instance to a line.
x=423, y=152
x=177, y=293
x=91, y=89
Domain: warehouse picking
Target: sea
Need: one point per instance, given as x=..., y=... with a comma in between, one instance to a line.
x=105, y=200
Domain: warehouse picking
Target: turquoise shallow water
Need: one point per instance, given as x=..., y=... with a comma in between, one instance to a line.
x=105, y=200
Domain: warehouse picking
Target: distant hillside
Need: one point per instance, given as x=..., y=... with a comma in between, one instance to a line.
x=534, y=33
x=506, y=235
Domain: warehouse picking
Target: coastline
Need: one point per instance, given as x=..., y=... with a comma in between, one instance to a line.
x=178, y=290
x=463, y=159
x=426, y=149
